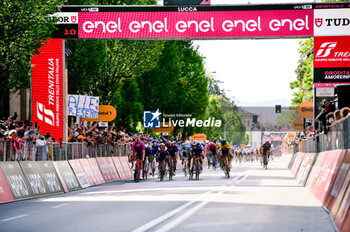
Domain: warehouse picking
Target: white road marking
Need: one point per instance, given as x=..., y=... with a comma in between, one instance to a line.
x=189, y=213
x=58, y=206
x=161, y=219
x=13, y=218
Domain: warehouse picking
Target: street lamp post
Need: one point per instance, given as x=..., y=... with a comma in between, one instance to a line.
x=226, y=124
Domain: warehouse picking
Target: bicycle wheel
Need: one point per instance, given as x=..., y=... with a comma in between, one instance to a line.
x=197, y=170
x=137, y=174
x=171, y=170
x=145, y=170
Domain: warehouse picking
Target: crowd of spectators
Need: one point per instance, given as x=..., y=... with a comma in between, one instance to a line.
x=24, y=138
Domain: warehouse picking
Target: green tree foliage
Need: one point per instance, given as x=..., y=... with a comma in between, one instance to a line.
x=287, y=117
x=304, y=74
x=178, y=83
x=23, y=24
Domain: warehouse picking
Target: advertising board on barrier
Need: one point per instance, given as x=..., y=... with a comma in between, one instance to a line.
x=47, y=88
x=18, y=184
x=88, y=171
x=83, y=106
x=107, y=169
x=41, y=177
x=96, y=170
x=79, y=173
x=5, y=192
x=338, y=184
x=68, y=178
x=119, y=168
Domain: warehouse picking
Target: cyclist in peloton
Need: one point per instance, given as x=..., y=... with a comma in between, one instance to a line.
x=138, y=152
x=163, y=155
x=196, y=151
x=185, y=150
x=213, y=149
x=173, y=152
x=225, y=149
x=266, y=147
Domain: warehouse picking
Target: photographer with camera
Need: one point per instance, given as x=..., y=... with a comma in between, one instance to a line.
x=327, y=107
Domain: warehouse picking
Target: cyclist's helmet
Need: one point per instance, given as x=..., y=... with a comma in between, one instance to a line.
x=171, y=145
x=223, y=142
x=194, y=143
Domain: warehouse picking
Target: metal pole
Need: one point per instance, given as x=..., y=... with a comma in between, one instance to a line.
x=226, y=124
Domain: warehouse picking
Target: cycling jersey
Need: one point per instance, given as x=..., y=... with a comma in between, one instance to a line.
x=162, y=155
x=213, y=148
x=138, y=147
x=154, y=149
x=224, y=148
x=185, y=147
x=198, y=151
x=173, y=150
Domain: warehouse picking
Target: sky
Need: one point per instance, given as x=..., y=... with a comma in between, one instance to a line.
x=254, y=72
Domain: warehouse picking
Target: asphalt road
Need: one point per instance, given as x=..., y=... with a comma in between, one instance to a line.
x=253, y=199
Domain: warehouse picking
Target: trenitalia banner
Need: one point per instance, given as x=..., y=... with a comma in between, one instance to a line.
x=47, y=88
x=332, y=51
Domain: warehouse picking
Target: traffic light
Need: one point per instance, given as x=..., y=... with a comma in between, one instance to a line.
x=278, y=109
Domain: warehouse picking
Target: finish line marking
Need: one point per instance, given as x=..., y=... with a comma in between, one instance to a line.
x=189, y=213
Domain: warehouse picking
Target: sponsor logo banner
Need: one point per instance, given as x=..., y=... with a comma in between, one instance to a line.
x=47, y=88
x=204, y=24
x=332, y=51
x=66, y=18
x=332, y=22
x=151, y=119
x=83, y=106
x=331, y=75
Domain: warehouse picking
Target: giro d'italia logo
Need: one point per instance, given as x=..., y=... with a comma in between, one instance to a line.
x=151, y=119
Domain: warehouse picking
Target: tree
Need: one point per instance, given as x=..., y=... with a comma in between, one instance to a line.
x=23, y=25
x=304, y=74
x=178, y=83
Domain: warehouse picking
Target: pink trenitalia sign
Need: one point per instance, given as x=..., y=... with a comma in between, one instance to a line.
x=204, y=24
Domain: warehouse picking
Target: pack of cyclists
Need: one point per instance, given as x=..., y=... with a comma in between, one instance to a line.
x=161, y=156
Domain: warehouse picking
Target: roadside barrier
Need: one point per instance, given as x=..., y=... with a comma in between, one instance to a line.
x=96, y=170
x=107, y=169
x=16, y=180
x=59, y=151
x=27, y=179
x=327, y=175
x=42, y=177
x=68, y=179
x=5, y=193
x=89, y=173
x=79, y=173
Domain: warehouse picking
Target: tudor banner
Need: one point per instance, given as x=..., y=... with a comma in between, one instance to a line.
x=47, y=88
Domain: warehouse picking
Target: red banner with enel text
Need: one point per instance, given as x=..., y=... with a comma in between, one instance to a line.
x=47, y=88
